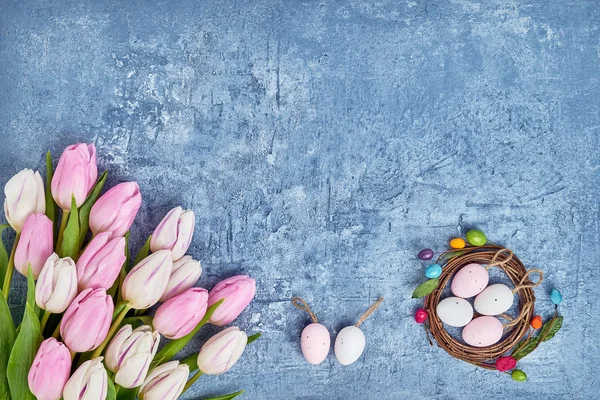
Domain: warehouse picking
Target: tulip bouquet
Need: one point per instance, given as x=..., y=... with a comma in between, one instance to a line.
x=86, y=332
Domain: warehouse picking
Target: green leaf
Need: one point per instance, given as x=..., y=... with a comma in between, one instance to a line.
x=550, y=328
x=144, y=251
x=127, y=394
x=426, y=288
x=526, y=347
x=31, y=290
x=191, y=361
x=84, y=210
x=3, y=255
x=21, y=357
x=70, y=240
x=111, y=394
x=118, y=308
x=226, y=397
x=137, y=321
x=8, y=334
x=253, y=338
x=50, y=204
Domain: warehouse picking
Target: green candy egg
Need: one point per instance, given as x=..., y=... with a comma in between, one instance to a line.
x=476, y=238
x=518, y=375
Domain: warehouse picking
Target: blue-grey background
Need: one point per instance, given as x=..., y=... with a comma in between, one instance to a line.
x=322, y=144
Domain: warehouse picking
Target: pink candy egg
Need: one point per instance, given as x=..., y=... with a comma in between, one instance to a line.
x=483, y=331
x=469, y=281
x=315, y=343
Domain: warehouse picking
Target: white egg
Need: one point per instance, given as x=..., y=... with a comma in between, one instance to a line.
x=494, y=300
x=455, y=311
x=349, y=345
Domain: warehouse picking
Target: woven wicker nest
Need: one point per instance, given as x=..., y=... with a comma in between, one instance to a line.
x=516, y=327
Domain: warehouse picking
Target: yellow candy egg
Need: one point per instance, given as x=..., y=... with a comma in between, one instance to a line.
x=457, y=243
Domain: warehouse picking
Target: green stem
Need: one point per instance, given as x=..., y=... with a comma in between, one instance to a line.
x=44, y=321
x=112, y=330
x=10, y=267
x=192, y=381
x=56, y=332
x=63, y=225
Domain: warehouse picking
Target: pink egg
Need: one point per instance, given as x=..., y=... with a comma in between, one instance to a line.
x=315, y=343
x=483, y=331
x=469, y=281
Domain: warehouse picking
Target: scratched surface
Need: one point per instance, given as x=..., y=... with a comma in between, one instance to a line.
x=322, y=144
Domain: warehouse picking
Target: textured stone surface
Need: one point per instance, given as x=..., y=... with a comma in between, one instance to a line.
x=322, y=144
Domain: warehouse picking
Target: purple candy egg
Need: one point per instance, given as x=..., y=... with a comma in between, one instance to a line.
x=425, y=254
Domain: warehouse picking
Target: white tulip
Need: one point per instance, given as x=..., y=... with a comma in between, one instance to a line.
x=222, y=351
x=24, y=196
x=57, y=284
x=184, y=275
x=165, y=382
x=89, y=382
x=146, y=282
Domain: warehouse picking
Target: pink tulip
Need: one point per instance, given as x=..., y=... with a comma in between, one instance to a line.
x=75, y=175
x=179, y=315
x=101, y=262
x=222, y=351
x=50, y=370
x=24, y=196
x=174, y=232
x=57, y=284
x=87, y=320
x=184, y=275
x=238, y=291
x=115, y=210
x=35, y=244
x=146, y=282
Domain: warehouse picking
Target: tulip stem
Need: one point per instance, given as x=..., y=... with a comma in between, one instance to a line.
x=10, y=267
x=113, y=328
x=56, y=331
x=63, y=224
x=44, y=320
x=192, y=381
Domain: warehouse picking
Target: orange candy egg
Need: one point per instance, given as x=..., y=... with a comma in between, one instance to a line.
x=536, y=322
x=457, y=243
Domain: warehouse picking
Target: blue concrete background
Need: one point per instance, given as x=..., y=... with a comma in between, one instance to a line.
x=322, y=144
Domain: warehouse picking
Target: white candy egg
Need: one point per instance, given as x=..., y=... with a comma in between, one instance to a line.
x=349, y=345
x=455, y=311
x=483, y=331
x=494, y=300
x=315, y=343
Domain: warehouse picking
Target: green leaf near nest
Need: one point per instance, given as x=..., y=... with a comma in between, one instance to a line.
x=550, y=328
x=547, y=332
x=426, y=288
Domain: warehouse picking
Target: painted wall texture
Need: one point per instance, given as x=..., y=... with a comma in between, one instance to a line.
x=322, y=144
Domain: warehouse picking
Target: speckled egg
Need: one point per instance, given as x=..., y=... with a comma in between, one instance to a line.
x=483, y=331
x=349, y=345
x=315, y=343
x=494, y=300
x=469, y=281
x=455, y=311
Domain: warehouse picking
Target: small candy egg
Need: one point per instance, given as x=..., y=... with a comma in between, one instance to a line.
x=519, y=375
x=536, y=322
x=349, y=345
x=454, y=311
x=476, y=238
x=425, y=254
x=457, y=243
x=420, y=316
x=483, y=331
x=433, y=271
x=505, y=363
x=494, y=300
x=315, y=343
x=555, y=296
x=469, y=281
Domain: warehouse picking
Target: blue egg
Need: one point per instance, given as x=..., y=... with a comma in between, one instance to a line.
x=555, y=296
x=433, y=271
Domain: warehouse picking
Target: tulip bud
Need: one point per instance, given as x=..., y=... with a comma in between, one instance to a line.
x=130, y=353
x=57, y=284
x=165, y=382
x=222, y=351
x=89, y=382
x=238, y=291
x=24, y=196
x=115, y=210
x=146, y=282
x=75, y=175
x=174, y=232
x=101, y=262
x=184, y=275
x=50, y=370
x=179, y=315
x=35, y=244
x=87, y=320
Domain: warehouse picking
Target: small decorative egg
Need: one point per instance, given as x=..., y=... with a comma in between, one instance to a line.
x=433, y=271
x=315, y=343
x=476, y=238
x=469, y=281
x=420, y=316
x=455, y=311
x=483, y=331
x=494, y=300
x=349, y=345
x=518, y=375
x=505, y=363
x=457, y=243
x=425, y=254
x=555, y=296
x=536, y=322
